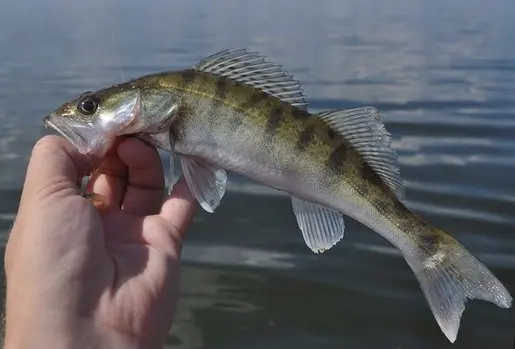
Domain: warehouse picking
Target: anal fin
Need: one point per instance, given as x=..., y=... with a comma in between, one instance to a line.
x=171, y=174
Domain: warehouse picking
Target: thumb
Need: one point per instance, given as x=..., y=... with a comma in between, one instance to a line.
x=55, y=167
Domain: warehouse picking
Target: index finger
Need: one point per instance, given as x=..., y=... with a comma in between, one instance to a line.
x=145, y=184
x=131, y=177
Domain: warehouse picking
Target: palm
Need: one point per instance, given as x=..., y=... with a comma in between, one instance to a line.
x=133, y=280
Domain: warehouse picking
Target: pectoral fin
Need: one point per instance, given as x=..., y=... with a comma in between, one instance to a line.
x=171, y=175
x=321, y=227
x=206, y=182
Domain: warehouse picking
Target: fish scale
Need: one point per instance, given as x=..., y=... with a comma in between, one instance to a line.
x=305, y=138
x=234, y=111
x=277, y=123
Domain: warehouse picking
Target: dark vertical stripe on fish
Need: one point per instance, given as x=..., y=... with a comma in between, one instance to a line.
x=255, y=99
x=331, y=133
x=222, y=87
x=338, y=156
x=275, y=118
x=188, y=76
x=300, y=114
x=431, y=240
x=369, y=174
x=380, y=204
x=306, y=137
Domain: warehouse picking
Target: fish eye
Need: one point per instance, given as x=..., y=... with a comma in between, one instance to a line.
x=88, y=105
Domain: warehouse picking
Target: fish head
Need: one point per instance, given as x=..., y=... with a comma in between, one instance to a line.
x=93, y=120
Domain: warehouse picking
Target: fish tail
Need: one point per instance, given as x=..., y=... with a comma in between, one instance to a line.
x=449, y=274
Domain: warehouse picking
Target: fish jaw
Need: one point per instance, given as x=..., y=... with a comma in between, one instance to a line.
x=87, y=138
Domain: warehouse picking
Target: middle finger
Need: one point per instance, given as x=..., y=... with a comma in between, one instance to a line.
x=110, y=178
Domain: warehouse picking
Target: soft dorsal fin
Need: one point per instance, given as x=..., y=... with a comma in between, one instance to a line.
x=364, y=130
x=250, y=68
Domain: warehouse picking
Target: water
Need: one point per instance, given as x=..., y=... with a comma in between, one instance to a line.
x=443, y=76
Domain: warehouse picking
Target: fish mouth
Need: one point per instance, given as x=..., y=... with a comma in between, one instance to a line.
x=75, y=132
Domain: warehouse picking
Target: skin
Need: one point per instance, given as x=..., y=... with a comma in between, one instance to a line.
x=83, y=278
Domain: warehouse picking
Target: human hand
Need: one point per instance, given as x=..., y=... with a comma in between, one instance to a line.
x=78, y=277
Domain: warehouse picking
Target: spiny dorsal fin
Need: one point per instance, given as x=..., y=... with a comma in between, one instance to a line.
x=364, y=130
x=250, y=68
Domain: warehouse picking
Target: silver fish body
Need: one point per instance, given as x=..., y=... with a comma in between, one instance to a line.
x=234, y=111
x=213, y=135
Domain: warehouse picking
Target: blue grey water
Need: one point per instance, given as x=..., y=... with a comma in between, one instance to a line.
x=443, y=76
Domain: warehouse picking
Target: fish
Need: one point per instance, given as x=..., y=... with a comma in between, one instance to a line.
x=236, y=111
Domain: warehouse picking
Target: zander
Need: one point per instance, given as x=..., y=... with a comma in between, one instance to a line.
x=235, y=111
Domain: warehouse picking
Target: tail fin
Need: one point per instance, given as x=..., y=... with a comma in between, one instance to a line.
x=448, y=274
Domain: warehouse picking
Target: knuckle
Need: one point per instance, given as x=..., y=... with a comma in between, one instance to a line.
x=46, y=144
x=46, y=141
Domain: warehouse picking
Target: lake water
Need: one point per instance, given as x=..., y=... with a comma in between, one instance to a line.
x=443, y=77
